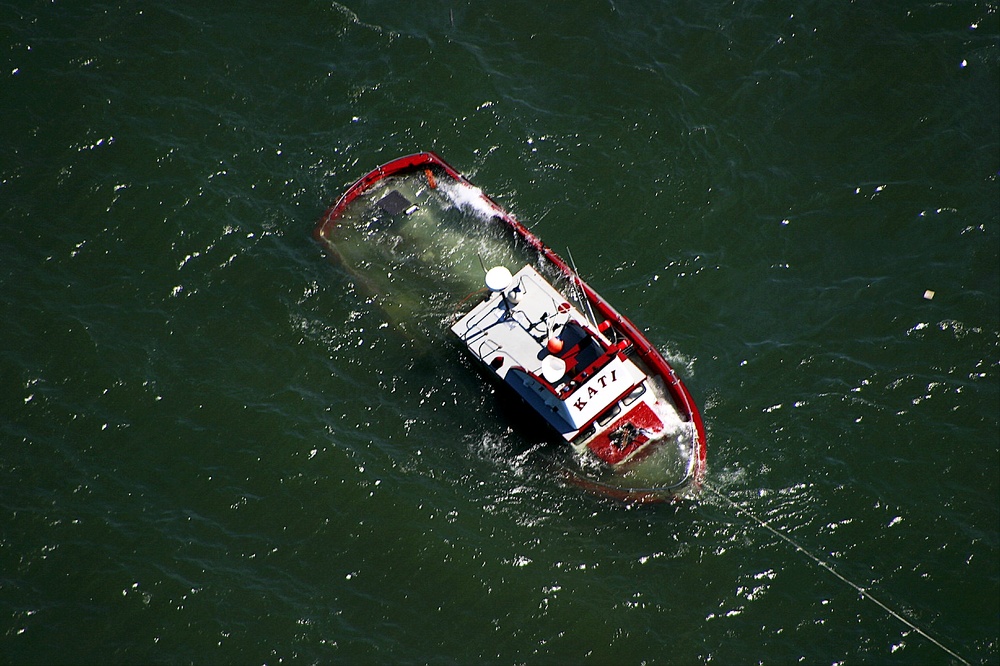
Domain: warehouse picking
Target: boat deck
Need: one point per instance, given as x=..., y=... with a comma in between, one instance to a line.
x=531, y=338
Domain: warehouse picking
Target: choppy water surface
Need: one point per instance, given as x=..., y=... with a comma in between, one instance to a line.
x=213, y=450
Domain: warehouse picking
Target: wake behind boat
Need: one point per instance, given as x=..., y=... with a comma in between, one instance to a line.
x=421, y=239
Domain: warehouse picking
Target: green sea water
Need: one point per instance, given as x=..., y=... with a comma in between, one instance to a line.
x=213, y=450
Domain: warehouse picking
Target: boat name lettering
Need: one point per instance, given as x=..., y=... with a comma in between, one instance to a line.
x=592, y=391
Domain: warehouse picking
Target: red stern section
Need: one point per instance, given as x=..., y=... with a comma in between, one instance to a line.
x=627, y=435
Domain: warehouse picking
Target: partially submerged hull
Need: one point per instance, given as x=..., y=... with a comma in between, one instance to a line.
x=419, y=237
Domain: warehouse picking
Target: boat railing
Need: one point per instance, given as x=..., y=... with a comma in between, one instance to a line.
x=488, y=347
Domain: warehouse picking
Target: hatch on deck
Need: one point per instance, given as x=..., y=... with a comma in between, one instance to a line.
x=395, y=203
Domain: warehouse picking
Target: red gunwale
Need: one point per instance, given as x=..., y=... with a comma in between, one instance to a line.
x=643, y=348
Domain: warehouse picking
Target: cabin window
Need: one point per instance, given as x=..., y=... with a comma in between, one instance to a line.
x=605, y=418
x=634, y=395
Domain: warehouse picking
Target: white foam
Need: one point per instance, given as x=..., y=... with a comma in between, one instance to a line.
x=470, y=198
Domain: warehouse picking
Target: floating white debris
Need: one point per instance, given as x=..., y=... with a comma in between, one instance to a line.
x=928, y=294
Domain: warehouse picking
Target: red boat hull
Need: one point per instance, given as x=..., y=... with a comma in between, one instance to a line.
x=427, y=161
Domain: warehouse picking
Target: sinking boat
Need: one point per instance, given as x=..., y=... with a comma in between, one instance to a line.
x=435, y=253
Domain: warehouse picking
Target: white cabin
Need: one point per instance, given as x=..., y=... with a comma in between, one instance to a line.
x=529, y=336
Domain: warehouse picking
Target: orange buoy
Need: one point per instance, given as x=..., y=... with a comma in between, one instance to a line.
x=554, y=345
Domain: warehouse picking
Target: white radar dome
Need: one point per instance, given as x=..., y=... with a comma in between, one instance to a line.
x=498, y=278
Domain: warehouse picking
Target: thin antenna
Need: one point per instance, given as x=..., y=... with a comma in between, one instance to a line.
x=579, y=292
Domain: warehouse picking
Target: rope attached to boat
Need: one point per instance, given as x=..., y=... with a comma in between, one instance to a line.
x=829, y=567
